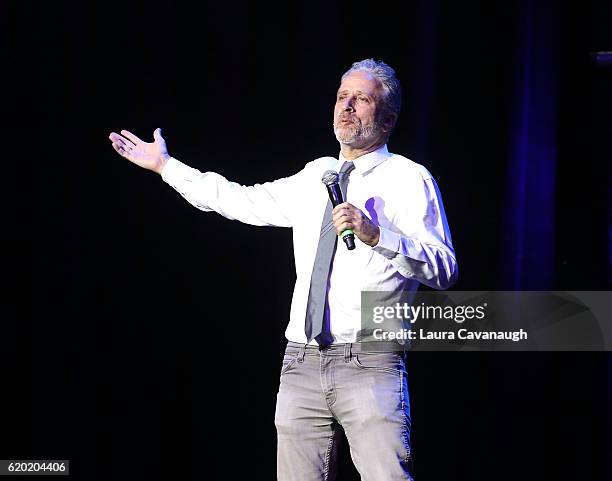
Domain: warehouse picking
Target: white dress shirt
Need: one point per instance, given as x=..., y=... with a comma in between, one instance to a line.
x=399, y=195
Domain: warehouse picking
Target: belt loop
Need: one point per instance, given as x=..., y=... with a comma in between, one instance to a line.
x=347, y=352
x=300, y=356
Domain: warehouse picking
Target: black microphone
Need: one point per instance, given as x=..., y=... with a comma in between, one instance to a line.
x=330, y=179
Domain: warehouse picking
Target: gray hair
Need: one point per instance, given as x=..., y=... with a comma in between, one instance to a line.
x=392, y=100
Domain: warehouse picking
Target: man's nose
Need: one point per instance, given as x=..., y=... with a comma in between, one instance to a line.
x=349, y=104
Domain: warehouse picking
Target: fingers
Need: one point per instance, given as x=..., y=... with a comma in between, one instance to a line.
x=346, y=218
x=121, y=145
x=340, y=228
x=120, y=139
x=157, y=135
x=344, y=209
x=344, y=205
x=343, y=217
x=131, y=136
x=121, y=149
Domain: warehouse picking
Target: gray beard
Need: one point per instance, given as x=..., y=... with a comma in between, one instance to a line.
x=356, y=135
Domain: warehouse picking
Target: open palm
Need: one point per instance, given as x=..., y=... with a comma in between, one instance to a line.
x=149, y=155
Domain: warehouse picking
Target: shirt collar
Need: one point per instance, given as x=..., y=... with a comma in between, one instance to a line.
x=367, y=162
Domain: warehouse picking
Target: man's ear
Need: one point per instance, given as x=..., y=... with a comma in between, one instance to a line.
x=389, y=121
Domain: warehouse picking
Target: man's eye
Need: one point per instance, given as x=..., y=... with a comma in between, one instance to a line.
x=363, y=99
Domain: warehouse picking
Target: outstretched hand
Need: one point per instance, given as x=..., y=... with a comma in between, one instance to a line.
x=148, y=155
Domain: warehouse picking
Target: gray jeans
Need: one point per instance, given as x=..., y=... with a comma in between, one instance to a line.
x=342, y=387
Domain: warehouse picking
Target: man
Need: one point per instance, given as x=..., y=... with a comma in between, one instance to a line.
x=330, y=381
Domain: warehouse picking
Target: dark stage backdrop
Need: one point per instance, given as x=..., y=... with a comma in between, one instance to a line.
x=148, y=336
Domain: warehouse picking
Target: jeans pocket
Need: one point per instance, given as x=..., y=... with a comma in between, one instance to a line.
x=379, y=361
x=288, y=361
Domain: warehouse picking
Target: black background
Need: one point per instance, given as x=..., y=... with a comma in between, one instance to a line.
x=148, y=335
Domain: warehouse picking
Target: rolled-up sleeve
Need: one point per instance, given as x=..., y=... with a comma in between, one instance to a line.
x=420, y=244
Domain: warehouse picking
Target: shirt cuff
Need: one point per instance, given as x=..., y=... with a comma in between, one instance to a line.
x=388, y=243
x=171, y=170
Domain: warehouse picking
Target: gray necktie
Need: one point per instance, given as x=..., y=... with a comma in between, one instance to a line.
x=317, y=310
